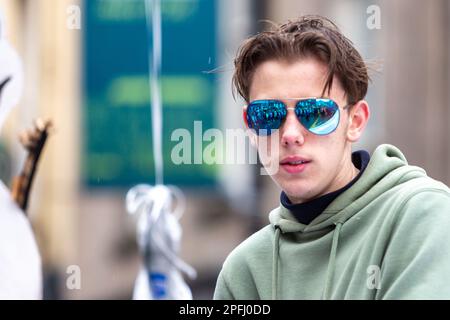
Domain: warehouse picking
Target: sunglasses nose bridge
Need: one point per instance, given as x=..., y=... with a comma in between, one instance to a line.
x=292, y=117
x=290, y=113
x=292, y=131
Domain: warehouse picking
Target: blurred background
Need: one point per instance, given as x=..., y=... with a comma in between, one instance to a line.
x=92, y=81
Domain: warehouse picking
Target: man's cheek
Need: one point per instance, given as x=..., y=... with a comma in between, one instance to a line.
x=269, y=153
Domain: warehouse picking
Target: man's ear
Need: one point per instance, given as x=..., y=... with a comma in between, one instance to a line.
x=358, y=117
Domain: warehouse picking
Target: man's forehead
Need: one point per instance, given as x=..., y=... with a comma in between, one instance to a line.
x=305, y=65
x=300, y=78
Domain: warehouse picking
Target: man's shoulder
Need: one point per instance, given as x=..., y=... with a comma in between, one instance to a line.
x=426, y=182
x=424, y=199
x=250, y=258
x=408, y=190
x=431, y=189
x=413, y=202
x=256, y=246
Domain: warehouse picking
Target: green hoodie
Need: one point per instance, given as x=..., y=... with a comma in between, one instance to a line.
x=387, y=237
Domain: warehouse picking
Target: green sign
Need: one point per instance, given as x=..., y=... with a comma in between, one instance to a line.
x=117, y=132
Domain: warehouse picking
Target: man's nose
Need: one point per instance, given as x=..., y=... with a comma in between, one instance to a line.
x=292, y=132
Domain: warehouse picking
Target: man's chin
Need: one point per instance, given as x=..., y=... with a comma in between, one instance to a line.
x=299, y=194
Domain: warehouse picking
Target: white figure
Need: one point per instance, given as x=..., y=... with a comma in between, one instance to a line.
x=20, y=262
x=11, y=77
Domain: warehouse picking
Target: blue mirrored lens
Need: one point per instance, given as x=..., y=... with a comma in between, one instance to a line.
x=265, y=115
x=319, y=116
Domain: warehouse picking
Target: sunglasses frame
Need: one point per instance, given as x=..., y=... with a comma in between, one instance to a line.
x=297, y=100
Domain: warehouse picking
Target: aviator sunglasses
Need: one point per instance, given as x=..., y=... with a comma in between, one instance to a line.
x=318, y=115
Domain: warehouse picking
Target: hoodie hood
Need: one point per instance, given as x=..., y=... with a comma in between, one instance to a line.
x=387, y=168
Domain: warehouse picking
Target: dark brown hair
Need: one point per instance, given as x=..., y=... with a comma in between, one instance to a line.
x=310, y=35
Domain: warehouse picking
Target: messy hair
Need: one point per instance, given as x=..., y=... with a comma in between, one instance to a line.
x=308, y=36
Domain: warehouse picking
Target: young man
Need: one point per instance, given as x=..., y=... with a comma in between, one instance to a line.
x=349, y=226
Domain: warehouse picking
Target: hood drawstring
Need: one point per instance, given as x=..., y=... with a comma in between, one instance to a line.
x=332, y=261
x=276, y=249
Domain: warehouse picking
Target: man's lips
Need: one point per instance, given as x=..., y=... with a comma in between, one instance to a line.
x=294, y=164
x=294, y=160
